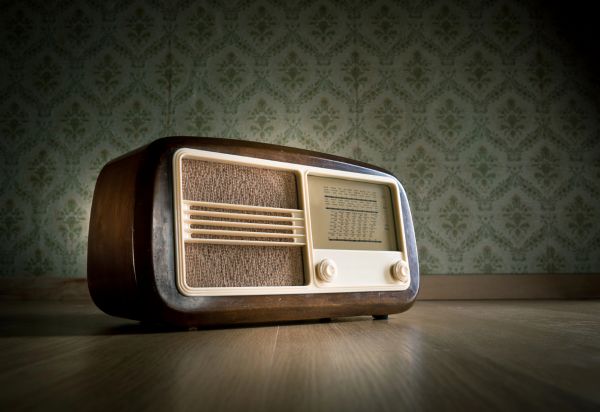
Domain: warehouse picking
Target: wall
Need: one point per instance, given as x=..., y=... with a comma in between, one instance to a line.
x=483, y=110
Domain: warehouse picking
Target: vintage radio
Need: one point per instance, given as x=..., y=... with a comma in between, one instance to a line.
x=204, y=231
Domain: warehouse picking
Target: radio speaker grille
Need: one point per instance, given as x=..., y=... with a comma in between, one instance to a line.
x=244, y=228
x=237, y=265
x=238, y=185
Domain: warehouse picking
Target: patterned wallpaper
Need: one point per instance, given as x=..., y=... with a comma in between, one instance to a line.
x=480, y=108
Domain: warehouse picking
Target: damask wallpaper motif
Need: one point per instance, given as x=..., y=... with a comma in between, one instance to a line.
x=479, y=107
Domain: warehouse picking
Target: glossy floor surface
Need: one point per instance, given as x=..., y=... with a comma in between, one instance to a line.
x=536, y=355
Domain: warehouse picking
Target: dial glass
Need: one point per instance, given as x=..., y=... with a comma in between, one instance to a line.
x=351, y=215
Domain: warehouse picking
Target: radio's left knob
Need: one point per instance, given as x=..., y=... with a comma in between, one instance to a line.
x=326, y=270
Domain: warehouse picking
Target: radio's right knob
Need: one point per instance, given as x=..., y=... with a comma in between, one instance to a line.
x=400, y=271
x=326, y=270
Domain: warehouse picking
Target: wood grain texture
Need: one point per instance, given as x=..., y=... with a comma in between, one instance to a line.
x=542, y=355
x=112, y=278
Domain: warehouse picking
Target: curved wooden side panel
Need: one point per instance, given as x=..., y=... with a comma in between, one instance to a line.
x=111, y=268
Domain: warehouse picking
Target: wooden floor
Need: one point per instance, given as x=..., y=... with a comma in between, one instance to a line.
x=439, y=355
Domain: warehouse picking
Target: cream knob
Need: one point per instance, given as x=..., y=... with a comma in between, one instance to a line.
x=401, y=271
x=326, y=270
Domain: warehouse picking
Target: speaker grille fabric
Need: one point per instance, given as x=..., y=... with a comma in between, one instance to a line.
x=216, y=265
x=240, y=185
x=238, y=266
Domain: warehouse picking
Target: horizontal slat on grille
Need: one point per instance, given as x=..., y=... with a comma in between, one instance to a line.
x=224, y=223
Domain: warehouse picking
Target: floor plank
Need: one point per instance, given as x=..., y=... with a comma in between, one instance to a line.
x=439, y=355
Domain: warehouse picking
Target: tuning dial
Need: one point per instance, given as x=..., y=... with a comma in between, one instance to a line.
x=326, y=270
x=400, y=271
